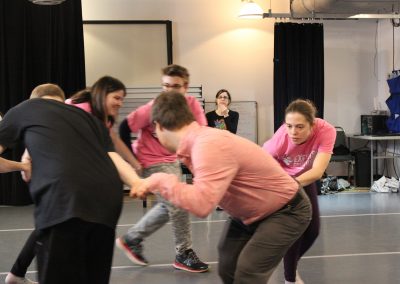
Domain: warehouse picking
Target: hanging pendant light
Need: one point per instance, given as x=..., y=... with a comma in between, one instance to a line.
x=251, y=10
x=46, y=2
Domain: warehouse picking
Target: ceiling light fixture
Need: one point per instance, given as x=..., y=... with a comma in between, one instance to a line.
x=375, y=16
x=251, y=10
x=46, y=2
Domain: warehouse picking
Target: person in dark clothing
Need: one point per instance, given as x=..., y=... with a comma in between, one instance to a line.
x=75, y=185
x=223, y=117
x=102, y=100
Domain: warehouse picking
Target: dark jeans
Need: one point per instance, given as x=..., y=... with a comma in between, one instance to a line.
x=76, y=252
x=299, y=248
x=25, y=257
x=248, y=254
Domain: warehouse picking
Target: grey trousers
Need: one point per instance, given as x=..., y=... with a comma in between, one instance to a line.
x=248, y=254
x=161, y=213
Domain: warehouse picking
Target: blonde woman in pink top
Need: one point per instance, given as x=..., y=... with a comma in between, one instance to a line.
x=303, y=146
x=268, y=208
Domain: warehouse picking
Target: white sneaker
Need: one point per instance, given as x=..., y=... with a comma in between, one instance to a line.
x=12, y=279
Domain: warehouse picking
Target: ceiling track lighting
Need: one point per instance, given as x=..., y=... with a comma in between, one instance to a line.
x=251, y=10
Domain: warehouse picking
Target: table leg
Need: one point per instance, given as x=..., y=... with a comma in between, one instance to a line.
x=372, y=162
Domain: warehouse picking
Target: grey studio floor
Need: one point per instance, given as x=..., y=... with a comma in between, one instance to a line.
x=359, y=243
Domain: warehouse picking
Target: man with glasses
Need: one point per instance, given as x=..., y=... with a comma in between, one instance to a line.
x=156, y=158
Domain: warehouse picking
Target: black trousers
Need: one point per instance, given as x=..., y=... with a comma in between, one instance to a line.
x=25, y=257
x=75, y=252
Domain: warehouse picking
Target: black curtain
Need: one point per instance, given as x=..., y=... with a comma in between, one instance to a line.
x=298, y=66
x=38, y=44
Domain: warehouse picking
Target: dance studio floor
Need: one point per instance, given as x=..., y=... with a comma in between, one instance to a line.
x=359, y=243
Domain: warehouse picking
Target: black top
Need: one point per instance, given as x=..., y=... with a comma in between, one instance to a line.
x=72, y=174
x=229, y=123
x=125, y=133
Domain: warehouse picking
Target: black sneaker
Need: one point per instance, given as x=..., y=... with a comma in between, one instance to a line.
x=133, y=252
x=189, y=261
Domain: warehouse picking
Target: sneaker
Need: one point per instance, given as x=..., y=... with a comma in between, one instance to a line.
x=189, y=261
x=12, y=279
x=133, y=252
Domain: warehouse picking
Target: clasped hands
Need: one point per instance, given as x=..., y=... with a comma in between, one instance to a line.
x=26, y=164
x=140, y=189
x=223, y=110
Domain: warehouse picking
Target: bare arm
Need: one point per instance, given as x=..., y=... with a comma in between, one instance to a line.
x=12, y=166
x=124, y=151
x=319, y=166
x=126, y=172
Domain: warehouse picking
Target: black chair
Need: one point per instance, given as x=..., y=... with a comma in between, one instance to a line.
x=341, y=152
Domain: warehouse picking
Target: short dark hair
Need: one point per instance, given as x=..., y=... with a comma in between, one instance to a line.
x=50, y=90
x=175, y=70
x=171, y=111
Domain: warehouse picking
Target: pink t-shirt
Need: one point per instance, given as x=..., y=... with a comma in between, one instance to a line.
x=296, y=159
x=147, y=148
x=228, y=170
x=86, y=107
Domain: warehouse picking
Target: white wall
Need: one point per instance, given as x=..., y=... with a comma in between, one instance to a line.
x=350, y=68
x=222, y=51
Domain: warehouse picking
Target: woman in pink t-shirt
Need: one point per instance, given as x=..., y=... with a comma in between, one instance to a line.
x=303, y=146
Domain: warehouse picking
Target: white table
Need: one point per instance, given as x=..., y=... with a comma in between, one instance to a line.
x=374, y=139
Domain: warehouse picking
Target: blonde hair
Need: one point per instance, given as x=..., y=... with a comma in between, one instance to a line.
x=49, y=90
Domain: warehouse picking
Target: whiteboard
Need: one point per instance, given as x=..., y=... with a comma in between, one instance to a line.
x=247, y=126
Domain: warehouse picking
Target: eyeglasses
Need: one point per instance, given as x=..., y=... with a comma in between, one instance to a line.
x=223, y=97
x=175, y=86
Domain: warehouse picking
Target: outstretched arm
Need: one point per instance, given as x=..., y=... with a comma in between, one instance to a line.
x=126, y=172
x=124, y=151
x=12, y=166
x=319, y=166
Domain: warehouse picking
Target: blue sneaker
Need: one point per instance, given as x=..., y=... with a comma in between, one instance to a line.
x=189, y=261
